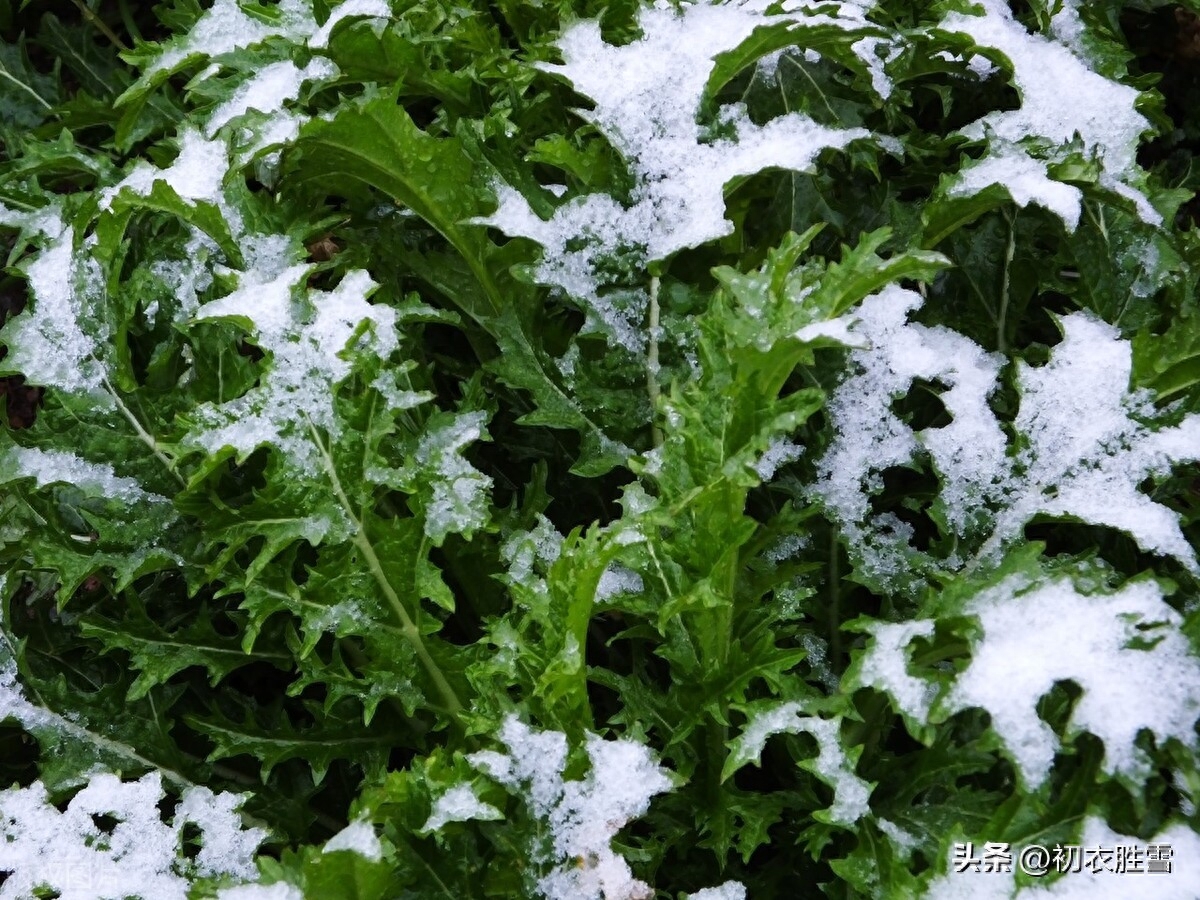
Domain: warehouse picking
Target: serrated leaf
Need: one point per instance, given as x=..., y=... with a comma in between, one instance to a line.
x=158, y=654
x=269, y=737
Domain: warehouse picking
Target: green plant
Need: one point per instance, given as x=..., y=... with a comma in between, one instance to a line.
x=594, y=450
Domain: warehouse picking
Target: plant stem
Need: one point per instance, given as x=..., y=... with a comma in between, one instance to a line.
x=656, y=435
x=835, y=604
x=1009, y=252
x=99, y=25
x=407, y=626
x=146, y=437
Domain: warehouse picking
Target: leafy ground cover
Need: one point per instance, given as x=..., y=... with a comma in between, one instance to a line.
x=590, y=450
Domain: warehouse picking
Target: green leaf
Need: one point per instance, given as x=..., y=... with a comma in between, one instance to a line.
x=27, y=97
x=269, y=737
x=376, y=143
x=158, y=654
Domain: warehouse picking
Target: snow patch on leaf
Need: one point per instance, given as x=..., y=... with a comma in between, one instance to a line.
x=1120, y=648
x=377, y=9
x=832, y=765
x=1026, y=181
x=458, y=493
x=357, y=837
x=59, y=342
x=730, y=890
x=43, y=849
x=1060, y=96
x=196, y=174
x=268, y=89
x=459, y=804
x=582, y=816
x=647, y=94
x=1183, y=883
x=1086, y=446
x=60, y=467
x=307, y=347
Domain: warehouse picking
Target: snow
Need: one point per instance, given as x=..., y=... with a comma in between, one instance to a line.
x=460, y=492
x=189, y=277
x=870, y=437
x=357, y=837
x=1067, y=27
x=59, y=467
x=459, y=804
x=1084, y=639
x=59, y=342
x=904, y=841
x=359, y=8
x=1060, y=96
x=196, y=174
x=785, y=548
x=850, y=793
x=524, y=550
x=885, y=666
x=647, y=94
x=306, y=347
x=1085, y=450
x=780, y=453
x=584, y=816
x=44, y=849
x=1026, y=181
x=224, y=28
x=730, y=890
x=617, y=579
x=278, y=891
x=267, y=91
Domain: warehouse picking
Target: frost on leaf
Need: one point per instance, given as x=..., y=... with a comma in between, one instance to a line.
x=832, y=764
x=141, y=856
x=582, y=817
x=1125, y=650
x=1085, y=442
x=1061, y=96
x=306, y=340
x=647, y=95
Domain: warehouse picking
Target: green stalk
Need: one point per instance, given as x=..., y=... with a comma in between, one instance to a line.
x=408, y=627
